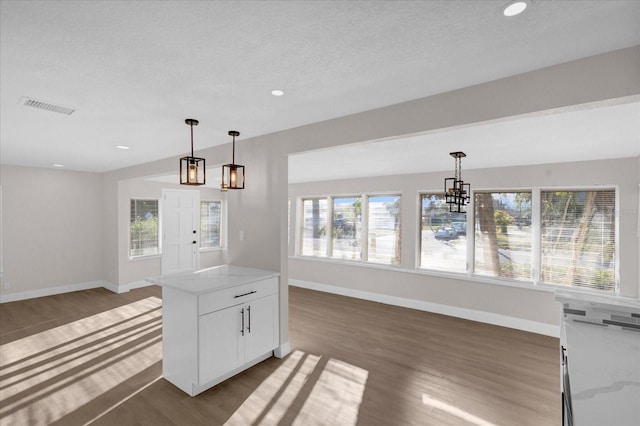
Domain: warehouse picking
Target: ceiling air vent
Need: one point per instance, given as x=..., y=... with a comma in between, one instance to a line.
x=30, y=102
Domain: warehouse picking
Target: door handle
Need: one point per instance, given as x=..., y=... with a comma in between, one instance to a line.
x=242, y=315
x=194, y=241
x=249, y=314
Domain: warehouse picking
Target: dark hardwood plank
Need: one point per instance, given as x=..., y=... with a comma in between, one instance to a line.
x=353, y=362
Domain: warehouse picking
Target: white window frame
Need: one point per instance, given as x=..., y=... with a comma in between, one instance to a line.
x=538, y=236
x=364, y=196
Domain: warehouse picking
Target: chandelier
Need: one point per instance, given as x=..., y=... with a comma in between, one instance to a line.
x=457, y=193
x=192, y=169
x=232, y=174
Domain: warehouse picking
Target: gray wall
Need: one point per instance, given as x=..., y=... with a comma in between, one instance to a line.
x=52, y=228
x=520, y=301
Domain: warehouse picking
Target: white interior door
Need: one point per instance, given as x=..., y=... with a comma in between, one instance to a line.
x=180, y=230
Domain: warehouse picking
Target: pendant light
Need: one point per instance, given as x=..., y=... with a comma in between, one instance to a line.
x=457, y=193
x=232, y=174
x=192, y=169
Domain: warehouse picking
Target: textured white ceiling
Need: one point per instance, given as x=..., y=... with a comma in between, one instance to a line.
x=135, y=70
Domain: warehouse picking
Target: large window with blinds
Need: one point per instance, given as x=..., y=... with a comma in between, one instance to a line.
x=143, y=228
x=503, y=236
x=578, y=238
x=361, y=228
x=384, y=243
x=346, y=241
x=443, y=235
x=210, y=224
x=313, y=235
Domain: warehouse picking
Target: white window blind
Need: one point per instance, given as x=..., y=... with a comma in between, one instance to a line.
x=143, y=228
x=443, y=235
x=383, y=220
x=210, y=224
x=578, y=238
x=314, y=227
x=503, y=235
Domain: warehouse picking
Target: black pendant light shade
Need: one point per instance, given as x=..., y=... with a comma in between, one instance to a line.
x=457, y=193
x=232, y=174
x=192, y=169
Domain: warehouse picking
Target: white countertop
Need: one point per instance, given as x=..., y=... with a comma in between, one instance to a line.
x=215, y=278
x=605, y=301
x=604, y=371
x=601, y=335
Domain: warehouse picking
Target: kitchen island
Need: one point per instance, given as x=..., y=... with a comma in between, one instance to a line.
x=216, y=322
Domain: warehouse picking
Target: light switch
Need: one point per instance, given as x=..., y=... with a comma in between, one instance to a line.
x=241, y=235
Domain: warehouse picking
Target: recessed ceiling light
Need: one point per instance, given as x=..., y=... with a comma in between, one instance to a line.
x=514, y=8
x=277, y=92
x=122, y=147
x=58, y=165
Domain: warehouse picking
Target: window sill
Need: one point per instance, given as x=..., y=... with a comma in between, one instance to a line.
x=462, y=276
x=145, y=257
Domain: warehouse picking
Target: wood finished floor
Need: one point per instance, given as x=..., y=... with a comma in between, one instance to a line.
x=94, y=357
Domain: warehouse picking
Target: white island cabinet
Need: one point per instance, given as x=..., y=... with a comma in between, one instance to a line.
x=216, y=322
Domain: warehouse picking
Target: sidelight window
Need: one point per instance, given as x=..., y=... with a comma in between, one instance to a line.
x=143, y=228
x=210, y=224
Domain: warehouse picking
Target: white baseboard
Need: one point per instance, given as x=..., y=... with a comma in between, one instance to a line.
x=453, y=311
x=12, y=297
x=122, y=288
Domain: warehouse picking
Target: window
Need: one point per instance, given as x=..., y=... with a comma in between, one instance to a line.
x=578, y=238
x=443, y=236
x=314, y=227
x=210, y=224
x=144, y=228
x=503, y=234
x=347, y=228
x=334, y=227
x=383, y=220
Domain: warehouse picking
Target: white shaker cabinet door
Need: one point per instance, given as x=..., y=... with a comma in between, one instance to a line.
x=261, y=332
x=219, y=343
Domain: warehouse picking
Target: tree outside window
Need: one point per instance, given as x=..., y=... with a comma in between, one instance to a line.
x=578, y=238
x=503, y=235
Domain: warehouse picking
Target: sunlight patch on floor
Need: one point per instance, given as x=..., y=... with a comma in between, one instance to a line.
x=336, y=396
x=48, y=375
x=306, y=390
x=455, y=411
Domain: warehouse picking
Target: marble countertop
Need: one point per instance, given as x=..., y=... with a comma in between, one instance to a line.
x=215, y=278
x=602, y=338
x=604, y=371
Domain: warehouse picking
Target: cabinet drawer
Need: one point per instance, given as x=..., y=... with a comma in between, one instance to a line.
x=220, y=299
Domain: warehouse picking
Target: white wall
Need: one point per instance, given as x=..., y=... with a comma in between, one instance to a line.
x=524, y=303
x=53, y=229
